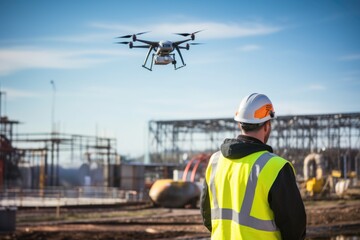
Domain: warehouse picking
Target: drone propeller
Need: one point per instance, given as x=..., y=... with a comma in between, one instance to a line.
x=187, y=34
x=187, y=46
x=130, y=43
x=129, y=36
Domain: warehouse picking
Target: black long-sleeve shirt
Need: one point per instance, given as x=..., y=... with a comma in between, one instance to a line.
x=284, y=197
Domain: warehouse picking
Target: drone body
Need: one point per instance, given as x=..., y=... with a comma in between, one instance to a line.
x=164, y=50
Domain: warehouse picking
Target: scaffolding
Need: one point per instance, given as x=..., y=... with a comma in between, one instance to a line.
x=43, y=154
x=49, y=151
x=337, y=136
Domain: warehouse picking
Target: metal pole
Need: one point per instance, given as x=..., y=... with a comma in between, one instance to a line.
x=0, y=101
x=52, y=133
x=53, y=107
x=345, y=167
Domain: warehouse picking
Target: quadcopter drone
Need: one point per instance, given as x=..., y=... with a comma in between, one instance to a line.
x=163, y=49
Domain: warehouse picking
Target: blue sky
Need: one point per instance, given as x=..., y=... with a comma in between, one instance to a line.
x=305, y=55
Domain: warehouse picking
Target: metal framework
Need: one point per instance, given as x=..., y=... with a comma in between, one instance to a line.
x=45, y=153
x=50, y=150
x=337, y=136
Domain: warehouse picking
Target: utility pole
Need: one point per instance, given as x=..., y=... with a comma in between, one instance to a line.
x=52, y=133
x=1, y=93
x=2, y=103
x=53, y=107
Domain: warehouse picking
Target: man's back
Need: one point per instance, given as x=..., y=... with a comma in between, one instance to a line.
x=237, y=204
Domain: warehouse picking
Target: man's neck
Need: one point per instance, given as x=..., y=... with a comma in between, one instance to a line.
x=256, y=135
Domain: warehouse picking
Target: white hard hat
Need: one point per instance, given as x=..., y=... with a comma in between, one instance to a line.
x=254, y=109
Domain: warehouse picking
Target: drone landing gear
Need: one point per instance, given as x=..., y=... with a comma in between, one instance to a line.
x=153, y=60
x=150, y=69
x=176, y=68
x=174, y=63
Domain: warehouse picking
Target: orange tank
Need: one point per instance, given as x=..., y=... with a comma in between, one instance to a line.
x=177, y=194
x=174, y=194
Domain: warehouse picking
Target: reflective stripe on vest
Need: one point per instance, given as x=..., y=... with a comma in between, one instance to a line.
x=243, y=217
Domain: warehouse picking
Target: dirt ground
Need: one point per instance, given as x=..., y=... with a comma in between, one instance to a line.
x=325, y=219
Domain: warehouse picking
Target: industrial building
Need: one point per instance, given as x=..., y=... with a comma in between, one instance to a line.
x=335, y=136
x=36, y=160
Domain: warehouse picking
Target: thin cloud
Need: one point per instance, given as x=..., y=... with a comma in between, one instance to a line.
x=212, y=30
x=350, y=57
x=352, y=77
x=16, y=59
x=249, y=48
x=115, y=27
x=12, y=60
x=316, y=87
x=80, y=38
x=12, y=93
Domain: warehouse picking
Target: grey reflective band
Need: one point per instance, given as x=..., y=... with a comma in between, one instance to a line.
x=243, y=217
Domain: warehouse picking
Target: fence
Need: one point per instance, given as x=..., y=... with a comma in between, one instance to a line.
x=59, y=196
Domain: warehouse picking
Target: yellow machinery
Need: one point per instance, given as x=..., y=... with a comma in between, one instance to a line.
x=314, y=185
x=317, y=183
x=313, y=173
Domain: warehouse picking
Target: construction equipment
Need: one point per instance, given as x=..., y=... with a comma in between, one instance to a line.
x=172, y=194
x=181, y=193
x=314, y=173
x=319, y=183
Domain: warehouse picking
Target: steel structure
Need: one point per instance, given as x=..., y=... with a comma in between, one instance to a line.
x=49, y=150
x=337, y=136
x=44, y=153
x=8, y=155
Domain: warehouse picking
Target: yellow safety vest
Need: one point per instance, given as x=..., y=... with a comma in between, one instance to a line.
x=238, y=193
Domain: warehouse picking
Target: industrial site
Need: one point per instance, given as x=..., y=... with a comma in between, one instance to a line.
x=108, y=197
x=179, y=120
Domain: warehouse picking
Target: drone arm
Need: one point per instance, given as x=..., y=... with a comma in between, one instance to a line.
x=180, y=42
x=153, y=44
x=143, y=46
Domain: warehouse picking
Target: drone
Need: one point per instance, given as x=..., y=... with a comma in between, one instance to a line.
x=164, y=50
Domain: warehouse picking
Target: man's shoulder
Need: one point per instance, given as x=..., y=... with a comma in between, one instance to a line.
x=282, y=164
x=279, y=161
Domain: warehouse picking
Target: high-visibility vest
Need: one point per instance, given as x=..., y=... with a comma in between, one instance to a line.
x=238, y=193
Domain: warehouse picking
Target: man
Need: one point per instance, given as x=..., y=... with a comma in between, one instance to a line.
x=249, y=192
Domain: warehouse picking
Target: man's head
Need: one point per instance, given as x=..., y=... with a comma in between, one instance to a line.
x=254, y=115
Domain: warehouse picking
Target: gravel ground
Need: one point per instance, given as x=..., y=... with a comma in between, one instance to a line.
x=325, y=219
